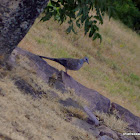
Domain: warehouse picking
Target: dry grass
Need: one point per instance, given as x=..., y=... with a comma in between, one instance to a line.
x=75, y=112
x=71, y=93
x=23, y=118
x=112, y=122
x=114, y=64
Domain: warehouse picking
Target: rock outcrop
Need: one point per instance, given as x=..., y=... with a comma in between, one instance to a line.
x=97, y=102
x=126, y=115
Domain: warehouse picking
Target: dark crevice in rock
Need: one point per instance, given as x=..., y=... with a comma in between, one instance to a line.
x=27, y=88
x=70, y=102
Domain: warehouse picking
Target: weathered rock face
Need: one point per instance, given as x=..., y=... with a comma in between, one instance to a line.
x=16, y=18
x=63, y=81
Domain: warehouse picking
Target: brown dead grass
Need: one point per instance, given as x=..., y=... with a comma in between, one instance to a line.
x=75, y=112
x=24, y=118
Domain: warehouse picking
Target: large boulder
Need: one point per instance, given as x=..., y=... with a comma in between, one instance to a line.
x=63, y=82
x=95, y=99
x=41, y=67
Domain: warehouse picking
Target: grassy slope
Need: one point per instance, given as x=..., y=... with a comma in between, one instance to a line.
x=114, y=64
x=25, y=118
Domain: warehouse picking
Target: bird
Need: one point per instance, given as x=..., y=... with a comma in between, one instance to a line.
x=69, y=63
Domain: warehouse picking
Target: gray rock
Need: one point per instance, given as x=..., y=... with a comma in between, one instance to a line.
x=64, y=81
x=84, y=125
x=96, y=100
x=70, y=102
x=127, y=116
x=27, y=88
x=91, y=115
x=107, y=131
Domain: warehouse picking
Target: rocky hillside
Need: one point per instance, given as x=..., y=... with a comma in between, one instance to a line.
x=39, y=102
x=114, y=68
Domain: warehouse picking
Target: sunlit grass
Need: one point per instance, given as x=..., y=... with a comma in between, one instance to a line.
x=111, y=121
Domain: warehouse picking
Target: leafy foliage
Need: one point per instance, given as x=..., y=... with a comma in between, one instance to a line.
x=128, y=12
x=137, y=2
x=78, y=12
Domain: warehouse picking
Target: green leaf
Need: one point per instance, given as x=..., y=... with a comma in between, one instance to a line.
x=97, y=35
x=94, y=21
x=69, y=29
x=87, y=26
x=80, y=12
x=77, y=23
x=46, y=17
x=92, y=31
